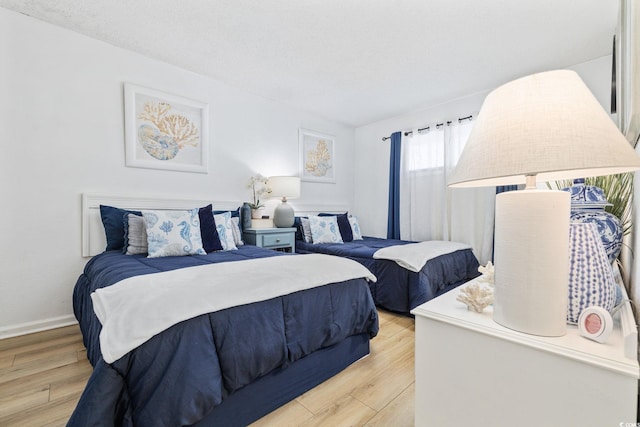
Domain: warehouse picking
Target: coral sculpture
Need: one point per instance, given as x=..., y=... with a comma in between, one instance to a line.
x=476, y=297
x=487, y=273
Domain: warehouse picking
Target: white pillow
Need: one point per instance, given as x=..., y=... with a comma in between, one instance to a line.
x=235, y=229
x=173, y=233
x=225, y=231
x=355, y=228
x=324, y=229
x=306, y=230
x=135, y=236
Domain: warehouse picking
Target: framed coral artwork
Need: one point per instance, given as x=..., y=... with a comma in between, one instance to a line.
x=317, y=156
x=164, y=131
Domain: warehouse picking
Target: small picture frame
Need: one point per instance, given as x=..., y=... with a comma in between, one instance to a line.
x=164, y=131
x=317, y=156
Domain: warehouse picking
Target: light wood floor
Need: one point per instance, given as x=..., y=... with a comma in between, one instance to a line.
x=42, y=376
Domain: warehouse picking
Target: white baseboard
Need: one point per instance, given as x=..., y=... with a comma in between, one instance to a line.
x=37, y=326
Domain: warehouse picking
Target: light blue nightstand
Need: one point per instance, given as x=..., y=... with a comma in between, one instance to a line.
x=283, y=239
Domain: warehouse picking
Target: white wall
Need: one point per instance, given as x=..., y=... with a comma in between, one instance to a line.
x=372, y=155
x=62, y=134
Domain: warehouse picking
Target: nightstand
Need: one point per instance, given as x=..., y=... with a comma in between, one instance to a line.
x=283, y=239
x=472, y=371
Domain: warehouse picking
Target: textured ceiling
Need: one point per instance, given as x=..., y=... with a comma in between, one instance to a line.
x=354, y=61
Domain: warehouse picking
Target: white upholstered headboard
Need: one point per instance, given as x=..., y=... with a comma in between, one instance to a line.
x=93, y=237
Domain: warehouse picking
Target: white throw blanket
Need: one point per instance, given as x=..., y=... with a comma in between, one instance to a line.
x=413, y=256
x=137, y=308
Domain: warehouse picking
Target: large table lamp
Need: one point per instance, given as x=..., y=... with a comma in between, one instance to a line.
x=539, y=128
x=286, y=187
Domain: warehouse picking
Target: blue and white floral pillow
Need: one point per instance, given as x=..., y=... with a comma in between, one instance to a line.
x=324, y=229
x=225, y=231
x=235, y=228
x=355, y=228
x=173, y=233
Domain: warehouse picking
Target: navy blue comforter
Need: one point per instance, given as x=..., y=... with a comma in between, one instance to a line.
x=179, y=376
x=398, y=289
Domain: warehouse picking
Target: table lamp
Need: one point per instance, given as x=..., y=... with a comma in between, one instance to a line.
x=542, y=127
x=285, y=187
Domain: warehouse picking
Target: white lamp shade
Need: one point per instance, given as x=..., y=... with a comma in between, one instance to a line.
x=547, y=124
x=284, y=186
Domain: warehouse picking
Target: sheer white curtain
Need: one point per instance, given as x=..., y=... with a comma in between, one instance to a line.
x=431, y=211
x=422, y=186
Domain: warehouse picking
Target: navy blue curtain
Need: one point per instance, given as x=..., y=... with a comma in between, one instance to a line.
x=393, y=220
x=505, y=188
x=501, y=189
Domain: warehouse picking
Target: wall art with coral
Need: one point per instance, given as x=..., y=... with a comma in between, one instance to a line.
x=317, y=156
x=164, y=131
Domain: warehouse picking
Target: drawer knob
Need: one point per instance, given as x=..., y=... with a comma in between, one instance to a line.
x=277, y=240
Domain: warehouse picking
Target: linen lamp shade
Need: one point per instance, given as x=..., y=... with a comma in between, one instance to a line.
x=285, y=187
x=542, y=127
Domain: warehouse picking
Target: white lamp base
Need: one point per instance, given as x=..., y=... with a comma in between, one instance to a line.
x=283, y=215
x=531, y=257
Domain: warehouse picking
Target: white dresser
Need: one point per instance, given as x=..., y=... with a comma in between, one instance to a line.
x=470, y=371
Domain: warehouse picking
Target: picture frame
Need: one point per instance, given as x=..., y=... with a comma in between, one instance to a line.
x=165, y=131
x=317, y=156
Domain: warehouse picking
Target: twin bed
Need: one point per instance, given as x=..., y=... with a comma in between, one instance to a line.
x=408, y=273
x=401, y=289
x=257, y=327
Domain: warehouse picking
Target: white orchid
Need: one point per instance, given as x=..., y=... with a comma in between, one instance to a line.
x=258, y=186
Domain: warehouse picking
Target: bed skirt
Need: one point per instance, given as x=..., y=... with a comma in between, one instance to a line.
x=283, y=385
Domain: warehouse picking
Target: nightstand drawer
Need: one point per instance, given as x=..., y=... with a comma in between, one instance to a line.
x=279, y=239
x=283, y=239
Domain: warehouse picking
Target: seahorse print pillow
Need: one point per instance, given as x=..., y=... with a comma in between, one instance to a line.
x=324, y=229
x=225, y=231
x=173, y=233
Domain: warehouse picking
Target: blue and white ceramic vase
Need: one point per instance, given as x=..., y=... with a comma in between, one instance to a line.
x=608, y=225
x=591, y=281
x=587, y=206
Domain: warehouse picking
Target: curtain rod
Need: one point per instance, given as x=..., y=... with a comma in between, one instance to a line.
x=407, y=133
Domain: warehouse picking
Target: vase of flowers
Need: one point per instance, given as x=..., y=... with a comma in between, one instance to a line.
x=258, y=186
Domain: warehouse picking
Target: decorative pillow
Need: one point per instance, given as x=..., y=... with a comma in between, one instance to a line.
x=113, y=222
x=355, y=228
x=324, y=229
x=173, y=233
x=343, y=225
x=225, y=232
x=306, y=230
x=135, y=235
x=208, y=232
x=297, y=223
x=234, y=213
x=235, y=229
x=591, y=279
